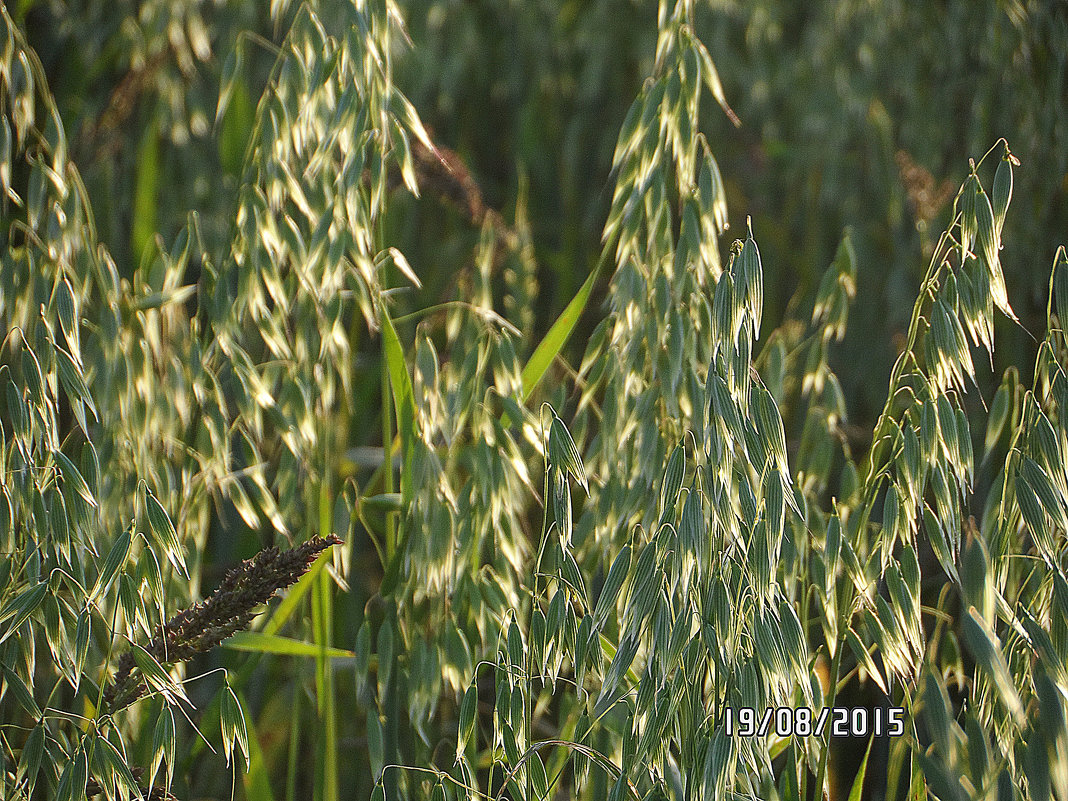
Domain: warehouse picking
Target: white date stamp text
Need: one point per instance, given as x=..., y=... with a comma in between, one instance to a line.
x=786, y=721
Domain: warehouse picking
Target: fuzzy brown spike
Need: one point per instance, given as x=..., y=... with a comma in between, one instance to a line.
x=226, y=611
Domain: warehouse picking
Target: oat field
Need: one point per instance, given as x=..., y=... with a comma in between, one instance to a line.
x=534, y=401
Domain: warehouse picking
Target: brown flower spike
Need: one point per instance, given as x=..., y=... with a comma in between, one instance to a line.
x=226, y=611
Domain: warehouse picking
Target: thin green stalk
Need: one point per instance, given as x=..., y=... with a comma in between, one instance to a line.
x=805, y=601
x=323, y=625
x=320, y=700
x=528, y=710
x=821, y=779
x=387, y=462
x=294, y=747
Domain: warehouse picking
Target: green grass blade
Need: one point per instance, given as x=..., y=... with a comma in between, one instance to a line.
x=258, y=642
x=145, y=193
x=294, y=596
x=549, y=348
x=858, y=783
x=403, y=399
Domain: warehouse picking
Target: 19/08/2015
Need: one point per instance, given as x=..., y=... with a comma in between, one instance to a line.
x=786, y=721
